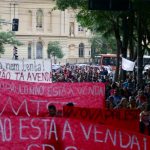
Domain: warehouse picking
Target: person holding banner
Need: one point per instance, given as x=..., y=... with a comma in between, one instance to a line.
x=53, y=142
x=52, y=110
x=145, y=120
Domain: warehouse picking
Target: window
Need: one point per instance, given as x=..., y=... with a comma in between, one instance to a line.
x=81, y=50
x=39, y=49
x=29, y=26
x=71, y=32
x=39, y=18
x=29, y=50
x=109, y=61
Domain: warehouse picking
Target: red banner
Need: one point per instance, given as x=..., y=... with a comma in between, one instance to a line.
x=33, y=99
x=24, y=124
x=24, y=133
x=120, y=118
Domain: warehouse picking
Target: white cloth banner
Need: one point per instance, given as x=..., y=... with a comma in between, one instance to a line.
x=26, y=70
x=127, y=64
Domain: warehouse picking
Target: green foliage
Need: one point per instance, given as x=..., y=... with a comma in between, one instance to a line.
x=63, y=4
x=2, y=50
x=54, y=49
x=103, y=45
x=106, y=22
x=8, y=38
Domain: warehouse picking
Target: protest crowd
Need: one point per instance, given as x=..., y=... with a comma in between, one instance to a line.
x=71, y=107
x=118, y=95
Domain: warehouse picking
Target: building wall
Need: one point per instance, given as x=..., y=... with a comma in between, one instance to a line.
x=56, y=26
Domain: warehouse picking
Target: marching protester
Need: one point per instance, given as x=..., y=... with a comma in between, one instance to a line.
x=118, y=95
x=144, y=123
x=52, y=110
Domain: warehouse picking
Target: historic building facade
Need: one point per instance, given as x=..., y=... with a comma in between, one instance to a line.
x=40, y=23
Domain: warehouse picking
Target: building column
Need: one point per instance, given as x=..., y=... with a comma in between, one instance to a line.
x=34, y=49
x=44, y=21
x=34, y=21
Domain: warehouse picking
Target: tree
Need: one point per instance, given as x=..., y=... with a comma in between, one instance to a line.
x=54, y=49
x=103, y=45
x=7, y=38
x=131, y=29
x=104, y=22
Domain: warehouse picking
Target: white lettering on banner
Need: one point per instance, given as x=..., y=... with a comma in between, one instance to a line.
x=113, y=139
x=124, y=145
x=32, y=145
x=37, y=90
x=134, y=141
x=48, y=147
x=51, y=90
x=53, y=130
x=33, y=126
x=6, y=130
x=21, y=127
x=96, y=133
x=39, y=105
x=94, y=90
x=45, y=146
x=32, y=129
x=145, y=144
x=45, y=121
x=86, y=134
x=9, y=102
x=66, y=125
x=2, y=132
x=38, y=102
x=71, y=147
x=63, y=91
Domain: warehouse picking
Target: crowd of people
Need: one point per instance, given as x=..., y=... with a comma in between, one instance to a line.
x=119, y=95
x=80, y=73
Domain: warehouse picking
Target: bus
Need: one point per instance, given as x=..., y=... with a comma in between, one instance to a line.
x=104, y=60
x=110, y=60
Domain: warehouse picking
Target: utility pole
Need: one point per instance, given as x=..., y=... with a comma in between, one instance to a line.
x=14, y=9
x=15, y=21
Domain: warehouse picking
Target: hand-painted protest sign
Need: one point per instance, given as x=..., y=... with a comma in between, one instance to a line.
x=24, y=124
x=118, y=118
x=33, y=99
x=24, y=133
x=26, y=70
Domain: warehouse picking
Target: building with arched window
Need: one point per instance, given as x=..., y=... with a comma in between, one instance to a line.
x=39, y=18
x=39, y=24
x=29, y=50
x=81, y=50
x=39, y=50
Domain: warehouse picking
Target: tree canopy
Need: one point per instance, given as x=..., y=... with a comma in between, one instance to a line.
x=131, y=29
x=103, y=45
x=8, y=38
x=54, y=49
